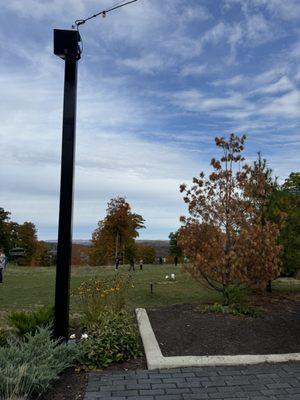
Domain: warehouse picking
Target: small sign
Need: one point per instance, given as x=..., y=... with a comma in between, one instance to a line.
x=17, y=252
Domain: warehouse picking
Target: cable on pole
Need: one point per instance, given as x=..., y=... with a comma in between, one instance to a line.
x=79, y=22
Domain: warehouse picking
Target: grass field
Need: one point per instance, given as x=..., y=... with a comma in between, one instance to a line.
x=29, y=287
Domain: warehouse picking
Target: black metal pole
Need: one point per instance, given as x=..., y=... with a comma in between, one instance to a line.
x=64, y=244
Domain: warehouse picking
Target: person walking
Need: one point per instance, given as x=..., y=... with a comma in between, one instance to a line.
x=141, y=264
x=131, y=268
x=2, y=264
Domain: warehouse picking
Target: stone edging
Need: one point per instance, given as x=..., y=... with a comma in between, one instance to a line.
x=155, y=359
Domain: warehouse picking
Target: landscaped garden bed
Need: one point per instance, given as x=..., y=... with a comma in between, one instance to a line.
x=185, y=330
x=72, y=384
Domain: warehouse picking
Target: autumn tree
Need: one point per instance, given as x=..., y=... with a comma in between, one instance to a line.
x=27, y=239
x=145, y=253
x=225, y=238
x=116, y=233
x=44, y=256
x=23, y=235
x=80, y=254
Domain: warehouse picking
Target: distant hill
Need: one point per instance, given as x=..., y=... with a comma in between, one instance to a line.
x=161, y=246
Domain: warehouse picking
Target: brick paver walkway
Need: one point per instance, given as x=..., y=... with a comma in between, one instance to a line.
x=255, y=382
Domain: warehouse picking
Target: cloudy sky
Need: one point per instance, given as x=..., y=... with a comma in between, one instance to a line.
x=157, y=82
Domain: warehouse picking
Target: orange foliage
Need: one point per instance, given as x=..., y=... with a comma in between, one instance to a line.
x=226, y=238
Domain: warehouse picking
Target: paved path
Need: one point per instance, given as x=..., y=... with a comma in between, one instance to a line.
x=255, y=382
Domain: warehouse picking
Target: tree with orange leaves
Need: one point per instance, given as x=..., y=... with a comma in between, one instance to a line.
x=226, y=239
x=116, y=233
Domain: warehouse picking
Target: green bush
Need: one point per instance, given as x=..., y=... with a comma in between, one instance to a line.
x=238, y=309
x=113, y=338
x=28, y=322
x=29, y=365
x=234, y=294
x=3, y=337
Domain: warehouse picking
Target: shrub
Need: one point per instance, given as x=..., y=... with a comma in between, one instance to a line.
x=29, y=365
x=3, y=337
x=233, y=309
x=113, y=338
x=234, y=295
x=96, y=295
x=28, y=322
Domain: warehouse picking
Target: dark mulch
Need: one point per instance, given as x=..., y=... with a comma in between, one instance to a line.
x=130, y=365
x=185, y=330
x=70, y=386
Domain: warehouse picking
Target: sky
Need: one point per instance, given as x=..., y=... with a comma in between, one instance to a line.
x=157, y=82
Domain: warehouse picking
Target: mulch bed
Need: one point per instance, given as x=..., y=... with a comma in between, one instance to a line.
x=184, y=330
x=71, y=384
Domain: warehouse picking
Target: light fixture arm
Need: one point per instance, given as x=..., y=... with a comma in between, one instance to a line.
x=79, y=22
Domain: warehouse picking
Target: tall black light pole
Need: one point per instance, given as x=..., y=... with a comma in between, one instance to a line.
x=66, y=46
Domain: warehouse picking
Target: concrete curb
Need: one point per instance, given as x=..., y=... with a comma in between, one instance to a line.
x=155, y=359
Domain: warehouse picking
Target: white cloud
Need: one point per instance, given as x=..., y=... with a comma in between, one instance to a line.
x=286, y=105
x=111, y=157
x=148, y=63
x=283, y=84
x=140, y=136
x=287, y=9
x=194, y=69
x=194, y=13
x=195, y=101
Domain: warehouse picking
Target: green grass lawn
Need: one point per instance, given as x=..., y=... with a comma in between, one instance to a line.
x=29, y=287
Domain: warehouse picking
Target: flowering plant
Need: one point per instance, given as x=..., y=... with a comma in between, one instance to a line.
x=96, y=296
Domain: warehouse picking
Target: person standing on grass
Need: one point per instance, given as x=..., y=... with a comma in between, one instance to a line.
x=141, y=264
x=175, y=261
x=131, y=268
x=117, y=262
x=2, y=264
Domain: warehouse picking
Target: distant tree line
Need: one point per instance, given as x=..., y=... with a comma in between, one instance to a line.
x=24, y=236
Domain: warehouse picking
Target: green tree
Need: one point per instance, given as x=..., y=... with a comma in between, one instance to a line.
x=175, y=249
x=290, y=234
x=4, y=230
x=285, y=200
x=116, y=233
